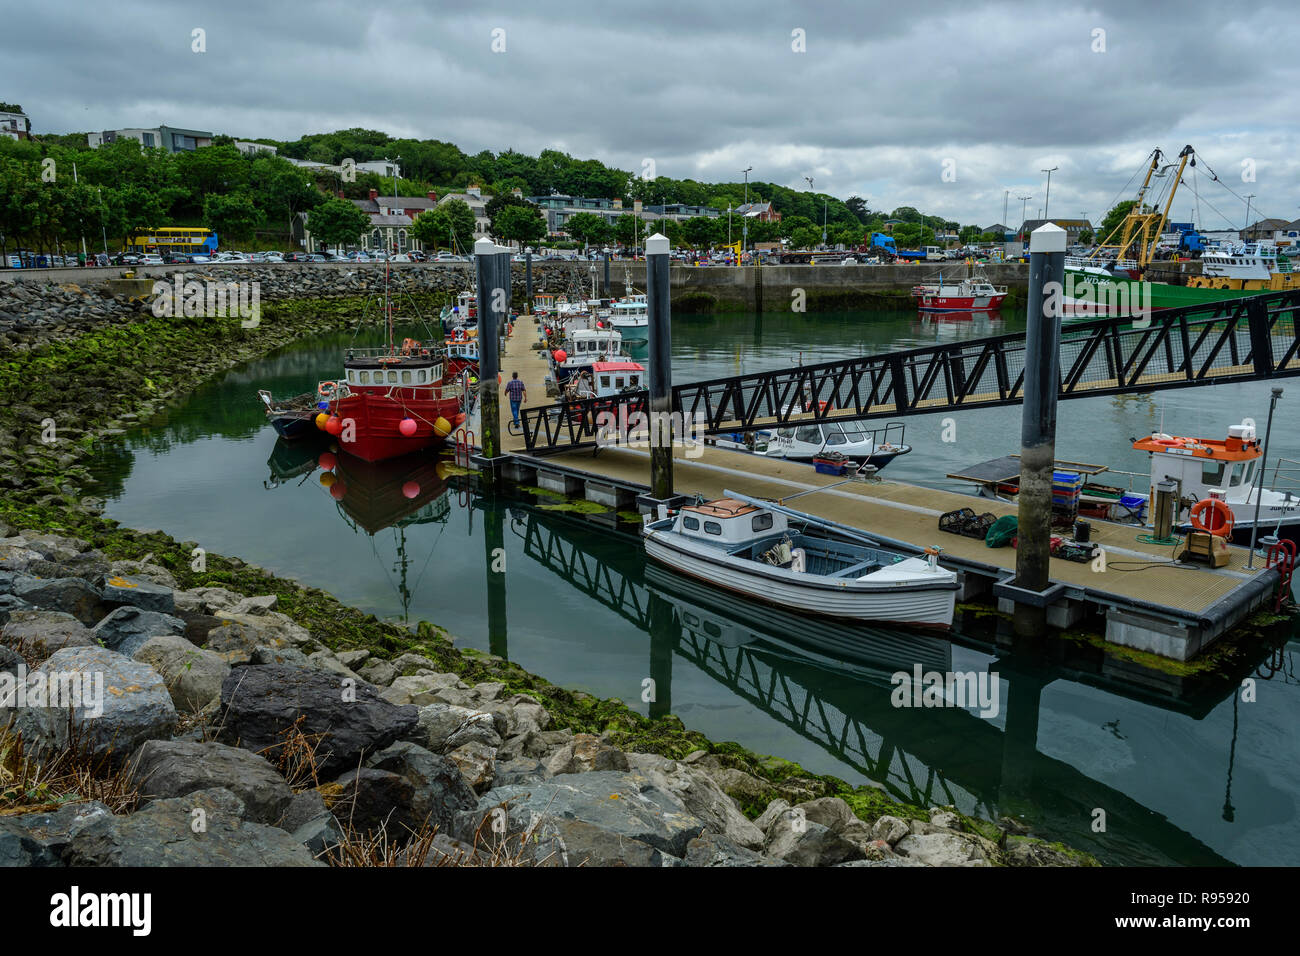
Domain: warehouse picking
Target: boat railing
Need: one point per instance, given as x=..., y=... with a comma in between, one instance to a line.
x=1286, y=475
x=1094, y=262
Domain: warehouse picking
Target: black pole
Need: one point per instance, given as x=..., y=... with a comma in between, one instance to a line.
x=493, y=302
x=664, y=632
x=1038, y=423
x=528, y=279
x=1259, y=479
x=659, y=309
x=495, y=556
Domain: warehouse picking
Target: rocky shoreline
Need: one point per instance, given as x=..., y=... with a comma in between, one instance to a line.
x=218, y=704
x=305, y=732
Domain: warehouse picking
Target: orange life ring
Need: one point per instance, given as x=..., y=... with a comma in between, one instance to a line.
x=1218, y=522
x=326, y=389
x=1173, y=442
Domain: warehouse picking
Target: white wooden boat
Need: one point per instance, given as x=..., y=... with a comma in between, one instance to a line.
x=772, y=554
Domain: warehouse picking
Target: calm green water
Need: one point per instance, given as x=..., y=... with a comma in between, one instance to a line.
x=1195, y=779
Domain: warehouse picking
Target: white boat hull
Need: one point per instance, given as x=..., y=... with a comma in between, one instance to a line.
x=919, y=605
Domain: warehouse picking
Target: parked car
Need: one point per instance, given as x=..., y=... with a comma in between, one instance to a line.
x=151, y=259
x=417, y=256
x=315, y=257
x=401, y=257
x=273, y=256
x=296, y=257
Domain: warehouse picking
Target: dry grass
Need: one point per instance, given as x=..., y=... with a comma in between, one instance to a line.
x=46, y=780
x=418, y=849
x=295, y=756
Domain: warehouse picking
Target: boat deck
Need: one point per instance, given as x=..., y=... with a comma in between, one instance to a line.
x=1138, y=573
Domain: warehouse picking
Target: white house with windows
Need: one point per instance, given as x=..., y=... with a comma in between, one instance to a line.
x=472, y=197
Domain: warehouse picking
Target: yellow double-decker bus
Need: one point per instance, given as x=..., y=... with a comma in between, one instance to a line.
x=193, y=239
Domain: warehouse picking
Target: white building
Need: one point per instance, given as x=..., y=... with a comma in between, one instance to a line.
x=252, y=149
x=15, y=125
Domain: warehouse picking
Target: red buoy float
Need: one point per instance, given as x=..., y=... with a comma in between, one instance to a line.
x=334, y=425
x=411, y=489
x=407, y=426
x=559, y=355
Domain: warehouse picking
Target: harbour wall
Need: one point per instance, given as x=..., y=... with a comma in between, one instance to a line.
x=694, y=289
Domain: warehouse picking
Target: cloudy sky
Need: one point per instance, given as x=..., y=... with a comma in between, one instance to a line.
x=875, y=99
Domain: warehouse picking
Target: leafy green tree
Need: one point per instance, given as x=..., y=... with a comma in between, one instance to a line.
x=337, y=222
x=628, y=229
x=1086, y=237
x=805, y=237
x=588, y=228
x=234, y=216
x=498, y=203
x=449, y=223
x=858, y=207
x=519, y=224
x=698, y=231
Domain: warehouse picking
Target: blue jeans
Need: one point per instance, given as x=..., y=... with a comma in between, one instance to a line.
x=514, y=409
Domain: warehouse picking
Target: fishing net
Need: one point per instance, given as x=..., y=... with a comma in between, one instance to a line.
x=1003, y=530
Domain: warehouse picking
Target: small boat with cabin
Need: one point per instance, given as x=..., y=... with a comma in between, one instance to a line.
x=769, y=553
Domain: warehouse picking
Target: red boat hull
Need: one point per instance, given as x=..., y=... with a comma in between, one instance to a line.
x=371, y=422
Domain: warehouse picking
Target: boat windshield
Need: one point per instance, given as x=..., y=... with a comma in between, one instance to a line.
x=837, y=434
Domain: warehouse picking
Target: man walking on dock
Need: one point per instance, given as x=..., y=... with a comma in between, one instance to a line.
x=517, y=394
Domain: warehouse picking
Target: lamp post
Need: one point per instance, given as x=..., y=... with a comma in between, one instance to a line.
x=103, y=230
x=1248, y=199
x=1048, y=201
x=1259, y=478
x=1023, y=200
x=744, y=223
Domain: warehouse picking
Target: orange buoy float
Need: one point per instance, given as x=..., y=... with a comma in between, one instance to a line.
x=442, y=427
x=1218, y=517
x=334, y=425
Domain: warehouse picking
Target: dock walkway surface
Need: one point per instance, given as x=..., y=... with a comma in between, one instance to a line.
x=1138, y=573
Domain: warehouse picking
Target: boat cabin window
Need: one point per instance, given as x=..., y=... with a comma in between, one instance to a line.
x=421, y=376
x=604, y=381
x=364, y=377
x=1236, y=475
x=392, y=376
x=834, y=436
x=809, y=433
x=634, y=381
x=690, y=524
x=406, y=376
x=712, y=527
x=618, y=382
x=1212, y=473
x=761, y=522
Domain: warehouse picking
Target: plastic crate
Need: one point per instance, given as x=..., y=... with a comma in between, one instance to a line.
x=826, y=469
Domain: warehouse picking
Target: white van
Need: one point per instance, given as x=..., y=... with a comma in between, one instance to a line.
x=933, y=254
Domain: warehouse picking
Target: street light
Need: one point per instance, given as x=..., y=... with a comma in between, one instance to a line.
x=744, y=224
x=1047, y=202
x=824, y=202
x=1248, y=199
x=1023, y=200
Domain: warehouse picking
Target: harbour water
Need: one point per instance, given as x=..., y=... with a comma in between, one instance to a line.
x=1191, y=780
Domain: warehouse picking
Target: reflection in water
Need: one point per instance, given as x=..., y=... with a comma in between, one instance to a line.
x=831, y=683
x=1183, y=773
x=372, y=497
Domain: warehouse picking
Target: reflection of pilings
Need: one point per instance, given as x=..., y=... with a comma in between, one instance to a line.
x=927, y=757
x=663, y=641
x=1021, y=702
x=495, y=562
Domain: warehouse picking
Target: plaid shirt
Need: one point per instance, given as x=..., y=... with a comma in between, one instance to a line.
x=515, y=390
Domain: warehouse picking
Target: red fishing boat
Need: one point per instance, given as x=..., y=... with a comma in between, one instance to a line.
x=392, y=400
x=973, y=294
